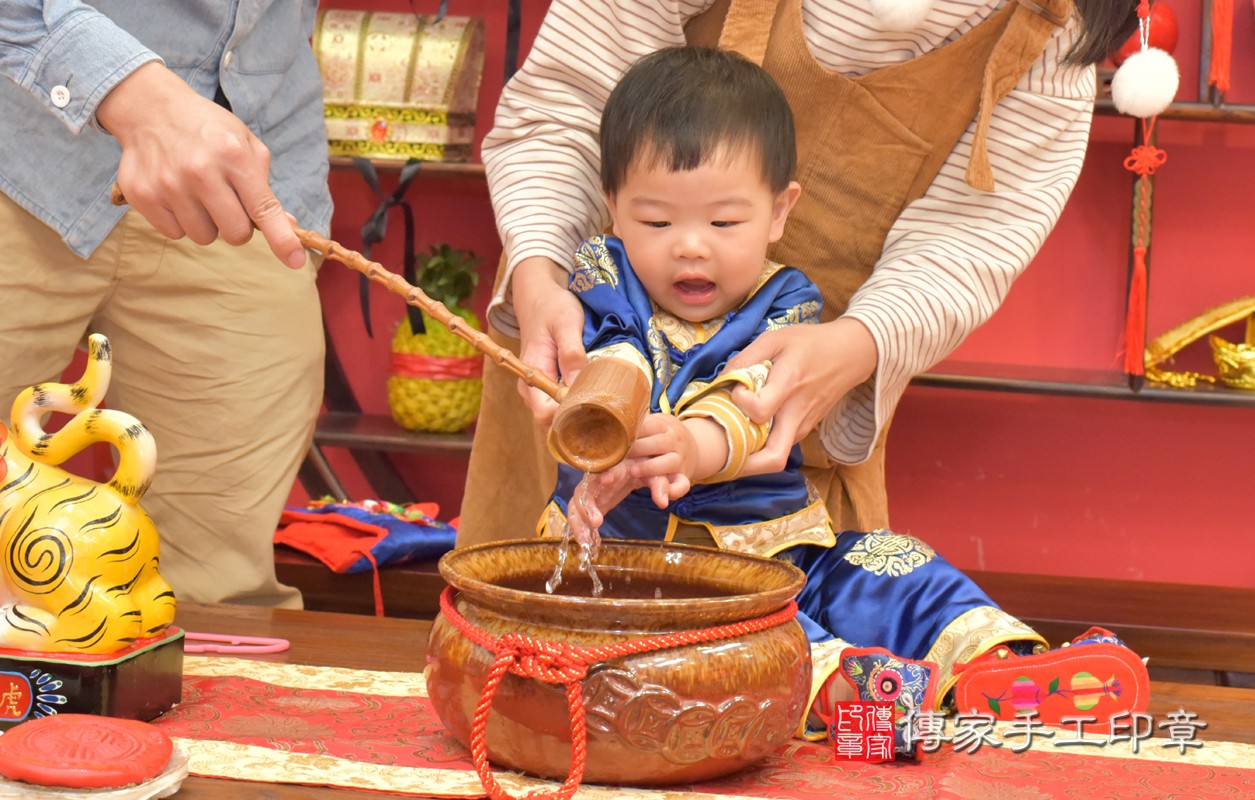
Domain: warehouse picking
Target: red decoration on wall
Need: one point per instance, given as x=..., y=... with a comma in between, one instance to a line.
x=1163, y=33
x=1221, y=46
x=1145, y=159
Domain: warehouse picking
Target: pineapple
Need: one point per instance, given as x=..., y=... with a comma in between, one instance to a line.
x=439, y=404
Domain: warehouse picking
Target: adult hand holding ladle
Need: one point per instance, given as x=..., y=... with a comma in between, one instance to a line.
x=597, y=416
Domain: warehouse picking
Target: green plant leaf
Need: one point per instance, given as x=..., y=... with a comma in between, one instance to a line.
x=447, y=274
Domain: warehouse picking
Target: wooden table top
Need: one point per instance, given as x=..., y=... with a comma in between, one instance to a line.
x=399, y=645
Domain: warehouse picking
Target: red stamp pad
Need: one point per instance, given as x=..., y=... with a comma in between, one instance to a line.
x=83, y=751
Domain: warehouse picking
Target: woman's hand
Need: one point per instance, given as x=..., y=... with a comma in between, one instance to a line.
x=812, y=368
x=191, y=167
x=551, y=330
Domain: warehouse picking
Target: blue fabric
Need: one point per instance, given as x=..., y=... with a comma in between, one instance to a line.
x=618, y=310
x=58, y=165
x=885, y=602
x=876, y=589
x=412, y=537
x=886, y=678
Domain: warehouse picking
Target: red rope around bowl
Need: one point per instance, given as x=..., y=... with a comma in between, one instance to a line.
x=567, y=664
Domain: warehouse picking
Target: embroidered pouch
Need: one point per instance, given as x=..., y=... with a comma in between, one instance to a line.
x=880, y=676
x=399, y=86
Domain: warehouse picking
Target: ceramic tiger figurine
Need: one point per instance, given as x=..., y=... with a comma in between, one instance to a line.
x=78, y=559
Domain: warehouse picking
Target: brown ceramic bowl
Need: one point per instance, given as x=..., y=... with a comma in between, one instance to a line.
x=668, y=716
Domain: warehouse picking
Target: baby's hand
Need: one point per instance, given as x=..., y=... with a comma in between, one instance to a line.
x=664, y=457
x=593, y=498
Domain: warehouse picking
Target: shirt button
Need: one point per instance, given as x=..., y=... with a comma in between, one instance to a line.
x=60, y=96
x=226, y=58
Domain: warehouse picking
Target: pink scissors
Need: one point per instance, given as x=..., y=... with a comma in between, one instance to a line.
x=226, y=643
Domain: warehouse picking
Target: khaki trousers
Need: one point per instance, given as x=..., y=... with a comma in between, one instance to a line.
x=218, y=350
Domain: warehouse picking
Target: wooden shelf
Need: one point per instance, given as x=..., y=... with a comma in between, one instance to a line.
x=434, y=169
x=1194, y=111
x=1074, y=383
x=374, y=432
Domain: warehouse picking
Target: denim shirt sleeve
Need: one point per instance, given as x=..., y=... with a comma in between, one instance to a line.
x=49, y=43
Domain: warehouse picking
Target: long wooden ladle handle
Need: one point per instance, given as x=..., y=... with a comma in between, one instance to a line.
x=418, y=298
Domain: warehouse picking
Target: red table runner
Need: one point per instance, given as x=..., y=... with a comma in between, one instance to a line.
x=375, y=730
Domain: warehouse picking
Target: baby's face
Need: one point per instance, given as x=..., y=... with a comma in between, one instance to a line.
x=697, y=239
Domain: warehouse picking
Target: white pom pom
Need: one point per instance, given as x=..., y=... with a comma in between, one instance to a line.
x=1145, y=83
x=901, y=15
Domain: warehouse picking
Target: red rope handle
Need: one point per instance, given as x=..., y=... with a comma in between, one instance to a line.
x=567, y=664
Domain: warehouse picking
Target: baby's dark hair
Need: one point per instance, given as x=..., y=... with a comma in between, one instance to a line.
x=681, y=105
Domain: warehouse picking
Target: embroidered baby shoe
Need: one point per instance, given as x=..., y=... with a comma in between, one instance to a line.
x=879, y=676
x=1093, y=681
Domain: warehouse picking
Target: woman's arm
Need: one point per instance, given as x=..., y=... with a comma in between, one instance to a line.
x=947, y=265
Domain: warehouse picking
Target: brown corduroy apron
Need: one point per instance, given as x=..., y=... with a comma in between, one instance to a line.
x=867, y=147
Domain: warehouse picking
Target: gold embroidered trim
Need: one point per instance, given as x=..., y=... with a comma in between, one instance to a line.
x=410, y=114
x=626, y=352
x=552, y=523
x=810, y=525
x=302, y=676
x=251, y=763
x=973, y=633
x=803, y=314
x=752, y=377
x=883, y=552
x=684, y=335
x=420, y=150
x=713, y=400
x=593, y=266
x=1236, y=755
x=825, y=662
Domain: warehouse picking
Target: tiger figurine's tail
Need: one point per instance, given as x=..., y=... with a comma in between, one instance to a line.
x=79, y=565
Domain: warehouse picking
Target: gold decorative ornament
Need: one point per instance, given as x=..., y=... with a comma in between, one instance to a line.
x=1235, y=362
x=399, y=86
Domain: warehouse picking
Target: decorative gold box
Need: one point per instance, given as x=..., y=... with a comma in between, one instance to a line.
x=399, y=85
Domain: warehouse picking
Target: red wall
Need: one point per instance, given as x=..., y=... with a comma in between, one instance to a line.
x=1130, y=489
x=1035, y=484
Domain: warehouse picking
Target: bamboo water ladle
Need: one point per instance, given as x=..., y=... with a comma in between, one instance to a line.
x=597, y=415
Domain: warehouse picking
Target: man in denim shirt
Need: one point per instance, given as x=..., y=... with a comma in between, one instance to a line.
x=208, y=113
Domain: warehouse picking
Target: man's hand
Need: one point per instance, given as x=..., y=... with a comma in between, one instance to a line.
x=812, y=368
x=551, y=330
x=191, y=167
